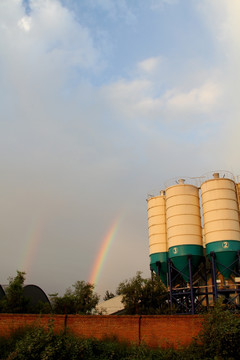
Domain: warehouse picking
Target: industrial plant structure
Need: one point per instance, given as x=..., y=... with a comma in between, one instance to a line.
x=194, y=240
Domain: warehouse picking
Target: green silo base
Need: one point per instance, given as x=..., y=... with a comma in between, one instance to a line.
x=161, y=257
x=226, y=254
x=179, y=256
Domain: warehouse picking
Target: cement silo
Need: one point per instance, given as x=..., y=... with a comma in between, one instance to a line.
x=184, y=227
x=238, y=198
x=158, y=235
x=221, y=222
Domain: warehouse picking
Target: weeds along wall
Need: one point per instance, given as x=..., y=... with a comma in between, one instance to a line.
x=154, y=331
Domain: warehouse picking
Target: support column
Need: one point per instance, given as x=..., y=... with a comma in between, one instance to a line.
x=214, y=279
x=158, y=267
x=191, y=283
x=238, y=270
x=206, y=282
x=170, y=281
x=151, y=272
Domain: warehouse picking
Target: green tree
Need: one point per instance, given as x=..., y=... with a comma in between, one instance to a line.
x=80, y=300
x=219, y=337
x=143, y=296
x=15, y=301
x=108, y=295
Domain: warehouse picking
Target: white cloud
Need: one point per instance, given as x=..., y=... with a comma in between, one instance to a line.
x=150, y=65
x=138, y=98
x=53, y=35
x=221, y=18
x=129, y=91
x=201, y=99
x=25, y=23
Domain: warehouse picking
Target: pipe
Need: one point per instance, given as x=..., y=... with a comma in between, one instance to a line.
x=191, y=282
x=214, y=280
x=158, y=267
x=170, y=281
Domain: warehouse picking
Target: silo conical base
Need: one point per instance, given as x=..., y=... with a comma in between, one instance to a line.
x=226, y=255
x=162, y=258
x=179, y=257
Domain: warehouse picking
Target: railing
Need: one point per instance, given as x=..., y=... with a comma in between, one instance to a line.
x=196, y=181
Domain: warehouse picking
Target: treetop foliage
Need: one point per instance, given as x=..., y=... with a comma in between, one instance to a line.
x=79, y=300
x=14, y=301
x=143, y=296
x=108, y=295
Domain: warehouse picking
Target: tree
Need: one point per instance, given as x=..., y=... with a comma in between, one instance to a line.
x=108, y=295
x=15, y=301
x=220, y=334
x=143, y=296
x=81, y=300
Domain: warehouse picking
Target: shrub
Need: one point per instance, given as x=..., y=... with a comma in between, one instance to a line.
x=8, y=344
x=220, y=334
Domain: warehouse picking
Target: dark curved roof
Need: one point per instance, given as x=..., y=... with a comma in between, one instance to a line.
x=2, y=292
x=35, y=294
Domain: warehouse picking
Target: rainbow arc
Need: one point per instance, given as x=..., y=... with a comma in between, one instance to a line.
x=103, y=251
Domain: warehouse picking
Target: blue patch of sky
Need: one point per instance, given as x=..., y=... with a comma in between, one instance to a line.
x=174, y=31
x=27, y=7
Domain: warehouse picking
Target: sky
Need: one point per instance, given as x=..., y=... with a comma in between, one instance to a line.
x=101, y=102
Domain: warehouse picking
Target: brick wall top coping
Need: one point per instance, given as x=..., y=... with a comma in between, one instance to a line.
x=103, y=316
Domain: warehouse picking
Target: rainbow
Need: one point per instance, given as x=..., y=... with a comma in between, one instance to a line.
x=33, y=239
x=103, y=251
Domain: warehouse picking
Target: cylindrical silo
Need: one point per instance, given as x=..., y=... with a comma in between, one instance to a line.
x=184, y=226
x=158, y=235
x=238, y=198
x=221, y=221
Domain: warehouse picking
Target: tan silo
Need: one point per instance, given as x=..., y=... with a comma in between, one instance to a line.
x=238, y=198
x=221, y=221
x=184, y=226
x=158, y=235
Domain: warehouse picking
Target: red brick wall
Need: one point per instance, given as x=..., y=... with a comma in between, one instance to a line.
x=153, y=330
x=10, y=322
x=123, y=327
x=174, y=330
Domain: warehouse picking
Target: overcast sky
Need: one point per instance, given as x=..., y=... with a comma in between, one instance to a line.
x=102, y=101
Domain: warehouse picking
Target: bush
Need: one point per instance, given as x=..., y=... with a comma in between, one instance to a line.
x=220, y=334
x=35, y=343
x=8, y=344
